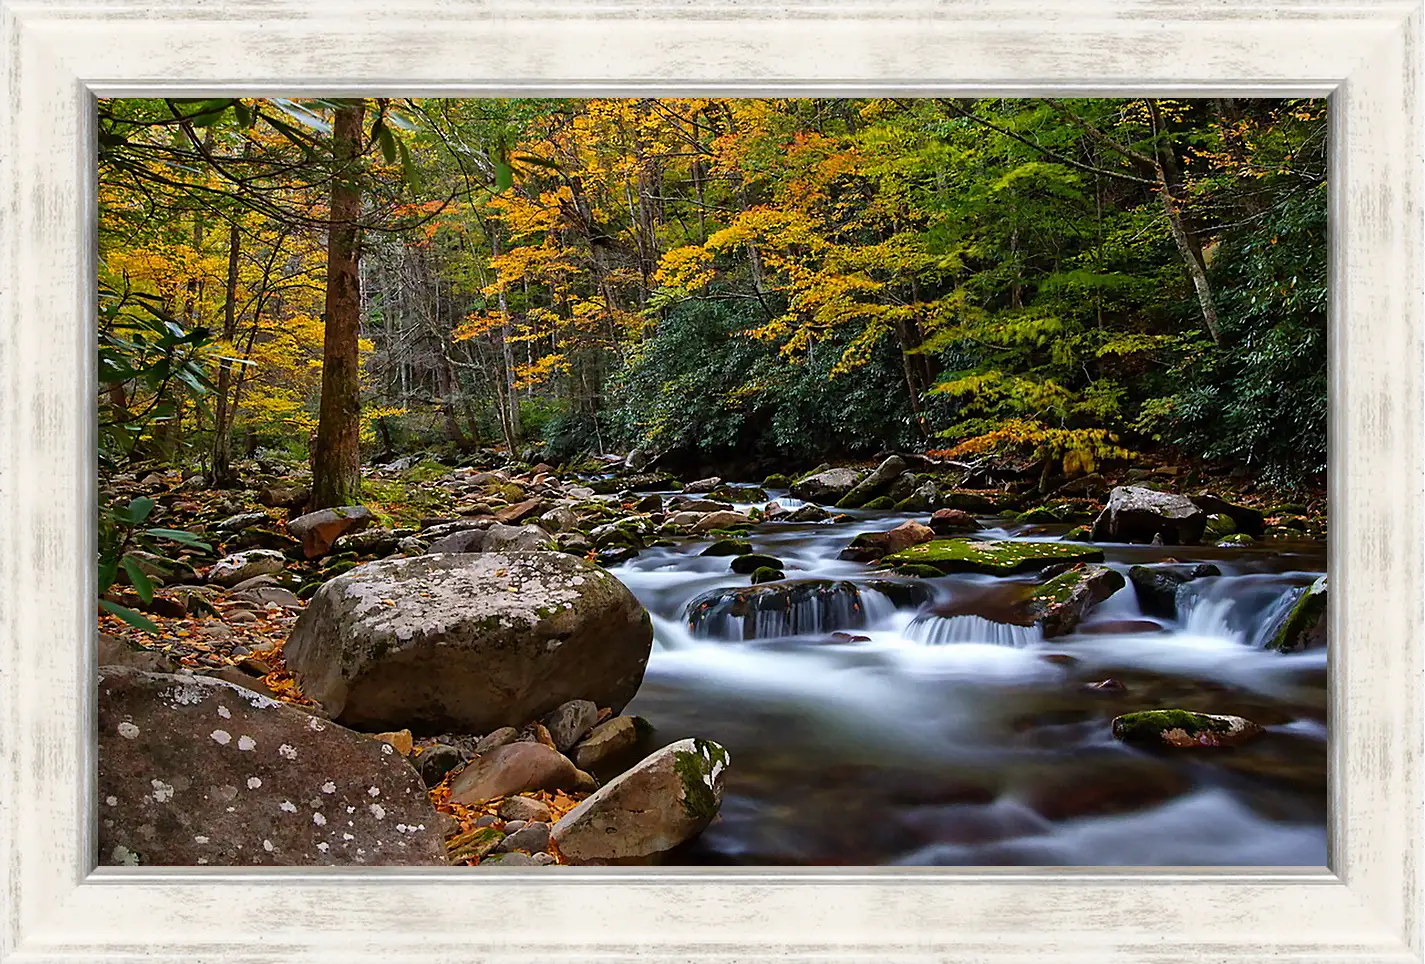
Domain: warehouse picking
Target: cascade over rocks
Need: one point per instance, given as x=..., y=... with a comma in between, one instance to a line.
x=1157, y=586
x=196, y=771
x=792, y=608
x=469, y=642
x=1136, y=514
x=639, y=816
x=1305, y=624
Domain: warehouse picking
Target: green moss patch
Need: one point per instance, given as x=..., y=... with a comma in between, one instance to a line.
x=1182, y=728
x=695, y=771
x=994, y=557
x=1304, y=626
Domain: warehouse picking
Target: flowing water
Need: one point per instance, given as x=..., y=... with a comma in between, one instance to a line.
x=866, y=729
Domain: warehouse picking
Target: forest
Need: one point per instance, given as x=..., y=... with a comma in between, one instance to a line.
x=768, y=282
x=712, y=481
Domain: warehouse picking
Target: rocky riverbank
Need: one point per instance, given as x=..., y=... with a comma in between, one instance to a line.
x=463, y=620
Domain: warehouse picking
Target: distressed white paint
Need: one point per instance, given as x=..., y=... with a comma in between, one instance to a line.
x=59, y=52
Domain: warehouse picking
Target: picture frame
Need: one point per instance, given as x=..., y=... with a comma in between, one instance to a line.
x=1365, y=55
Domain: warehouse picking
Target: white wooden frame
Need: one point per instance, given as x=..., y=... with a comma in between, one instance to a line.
x=58, y=54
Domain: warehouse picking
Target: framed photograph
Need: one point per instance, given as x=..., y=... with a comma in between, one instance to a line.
x=660, y=481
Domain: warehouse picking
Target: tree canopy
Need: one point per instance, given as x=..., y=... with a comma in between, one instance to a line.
x=1051, y=281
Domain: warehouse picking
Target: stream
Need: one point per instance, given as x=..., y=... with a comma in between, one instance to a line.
x=918, y=739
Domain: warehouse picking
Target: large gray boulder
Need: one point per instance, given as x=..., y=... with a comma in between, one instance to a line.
x=495, y=538
x=874, y=484
x=194, y=770
x=468, y=642
x=830, y=485
x=1136, y=514
x=639, y=816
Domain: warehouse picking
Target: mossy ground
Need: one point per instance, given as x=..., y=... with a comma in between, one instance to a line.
x=400, y=504
x=994, y=557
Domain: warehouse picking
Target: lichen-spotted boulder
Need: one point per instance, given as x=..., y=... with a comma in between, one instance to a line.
x=468, y=643
x=829, y=485
x=195, y=771
x=642, y=814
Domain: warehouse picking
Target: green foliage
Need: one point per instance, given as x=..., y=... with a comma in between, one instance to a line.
x=1260, y=397
x=701, y=386
x=121, y=534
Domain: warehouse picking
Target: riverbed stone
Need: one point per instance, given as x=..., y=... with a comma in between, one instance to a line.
x=513, y=768
x=197, y=771
x=1305, y=625
x=1137, y=514
x=1244, y=518
x=241, y=566
x=636, y=818
x=1157, y=587
x=750, y=562
x=1182, y=729
x=318, y=530
x=1060, y=604
x=468, y=642
x=994, y=557
x=531, y=838
x=946, y=521
x=525, y=808
x=571, y=722
x=495, y=538
x=720, y=520
x=829, y=485
x=728, y=547
x=874, y=484
x=608, y=740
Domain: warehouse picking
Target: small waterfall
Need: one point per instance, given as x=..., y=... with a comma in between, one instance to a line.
x=783, y=609
x=1272, y=618
x=932, y=630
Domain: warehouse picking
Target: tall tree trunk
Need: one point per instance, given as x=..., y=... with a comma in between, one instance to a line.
x=220, y=472
x=1188, y=245
x=336, y=464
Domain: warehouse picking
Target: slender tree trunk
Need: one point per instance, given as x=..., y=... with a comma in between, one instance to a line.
x=336, y=464
x=1189, y=248
x=220, y=472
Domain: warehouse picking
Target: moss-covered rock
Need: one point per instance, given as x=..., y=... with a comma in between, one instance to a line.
x=1305, y=625
x=767, y=574
x=1219, y=526
x=1079, y=534
x=637, y=817
x=918, y=571
x=1236, y=539
x=1039, y=514
x=998, y=557
x=1182, y=728
x=1060, y=604
x=880, y=502
x=728, y=547
x=777, y=481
